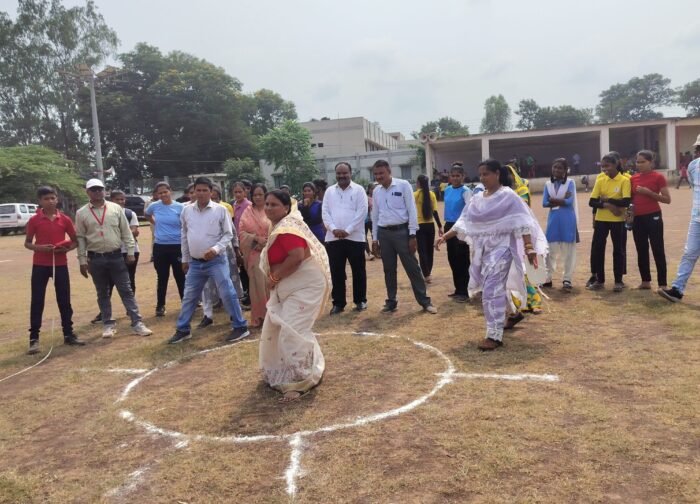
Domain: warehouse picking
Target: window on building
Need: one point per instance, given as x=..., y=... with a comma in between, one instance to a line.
x=407, y=172
x=277, y=180
x=320, y=144
x=313, y=145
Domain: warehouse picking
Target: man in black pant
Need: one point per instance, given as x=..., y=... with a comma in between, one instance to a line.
x=46, y=236
x=344, y=211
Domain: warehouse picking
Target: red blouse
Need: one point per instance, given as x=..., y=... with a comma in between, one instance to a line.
x=284, y=244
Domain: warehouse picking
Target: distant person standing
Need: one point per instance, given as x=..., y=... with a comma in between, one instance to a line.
x=683, y=172
x=426, y=206
x=310, y=209
x=457, y=196
x=167, y=252
x=649, y=188
x=46, y=237
x=560, y=198
x=576, y=161
x=206, y=234
x=240, y=203
x=344, y=213
x=101, y=227
x=692, y=244
x=395, y=223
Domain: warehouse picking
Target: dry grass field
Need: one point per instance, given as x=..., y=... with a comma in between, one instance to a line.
x=620, y=424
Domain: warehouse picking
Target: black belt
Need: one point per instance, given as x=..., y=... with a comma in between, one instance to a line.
x=394, y=227
x=104, y=254
x=198, y=260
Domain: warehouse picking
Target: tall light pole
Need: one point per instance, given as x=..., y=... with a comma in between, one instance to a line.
x=85, y=73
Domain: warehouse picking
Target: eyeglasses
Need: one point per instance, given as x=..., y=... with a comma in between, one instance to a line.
x=96, y=189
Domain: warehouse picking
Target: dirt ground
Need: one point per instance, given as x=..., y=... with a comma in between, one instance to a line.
x=620, y=424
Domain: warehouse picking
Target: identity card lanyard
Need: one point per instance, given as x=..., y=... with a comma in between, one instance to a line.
x=100, y=222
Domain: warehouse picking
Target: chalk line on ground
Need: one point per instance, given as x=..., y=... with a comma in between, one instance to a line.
x=294, y=469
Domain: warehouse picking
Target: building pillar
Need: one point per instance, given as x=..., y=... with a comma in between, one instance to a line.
x=429, y=161
x=671, y=147
x=485, y=149
x=604, y=141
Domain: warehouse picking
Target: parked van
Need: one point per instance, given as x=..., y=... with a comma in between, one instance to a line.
x=14, y=216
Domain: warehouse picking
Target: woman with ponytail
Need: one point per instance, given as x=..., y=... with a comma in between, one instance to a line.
x=502, y=232
x=426, y=203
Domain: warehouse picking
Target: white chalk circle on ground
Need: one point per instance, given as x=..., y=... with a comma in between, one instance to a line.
x=443, y=379
x=297, y=440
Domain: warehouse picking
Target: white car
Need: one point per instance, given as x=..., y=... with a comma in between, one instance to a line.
x=14, y=216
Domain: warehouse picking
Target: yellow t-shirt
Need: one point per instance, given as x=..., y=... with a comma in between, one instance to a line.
x=227, y=206
x=418, y=196
x=611, y=188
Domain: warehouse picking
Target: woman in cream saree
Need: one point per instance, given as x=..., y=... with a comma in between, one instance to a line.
x=296, y=265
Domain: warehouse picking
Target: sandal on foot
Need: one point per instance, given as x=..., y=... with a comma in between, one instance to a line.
x=513, y=320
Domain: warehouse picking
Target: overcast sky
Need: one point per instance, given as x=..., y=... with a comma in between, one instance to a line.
x=402, y=63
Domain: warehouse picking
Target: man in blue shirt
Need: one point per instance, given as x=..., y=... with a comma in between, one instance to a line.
x=394, y=226
x=692, y=244
x=457, y=196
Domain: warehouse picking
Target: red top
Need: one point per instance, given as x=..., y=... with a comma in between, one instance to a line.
x=50, y=232
x=284, y=243
x=653, y=181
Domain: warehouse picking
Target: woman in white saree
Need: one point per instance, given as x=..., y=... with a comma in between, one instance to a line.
x=296, y=265
x=502, y=232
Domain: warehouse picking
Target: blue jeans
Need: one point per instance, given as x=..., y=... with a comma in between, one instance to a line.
x=197, y=276
x=690, y=256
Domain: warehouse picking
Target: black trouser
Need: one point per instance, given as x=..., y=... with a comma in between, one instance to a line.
x=681, y=179
x=649, y=230
x=393, y=242
x=245, y=280
x=165, y=258
x=340, y=251
x=61, y=283
x=458, y=257
x=426, y=239
x=617, y=231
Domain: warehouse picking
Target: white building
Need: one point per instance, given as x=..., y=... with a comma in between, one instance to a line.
x=359, y=142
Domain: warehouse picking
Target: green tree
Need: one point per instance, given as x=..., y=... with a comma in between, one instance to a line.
x=239, y=169
x=37, y=103
x=688, y=97
x=444, y=127
x=288, y=148
x=168, y=114
x=23, y=169
x=532, y=116
x=496, y=115
x=266, y=110
x=635, y=100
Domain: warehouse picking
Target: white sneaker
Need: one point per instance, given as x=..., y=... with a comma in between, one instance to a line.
x=140, y=329
x=109, y=331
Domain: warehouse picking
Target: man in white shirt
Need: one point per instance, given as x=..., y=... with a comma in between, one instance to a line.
x=206, y=232
x=394, y=226
x=344, y=211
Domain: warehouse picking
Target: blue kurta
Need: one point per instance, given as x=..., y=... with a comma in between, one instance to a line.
x=561, y=222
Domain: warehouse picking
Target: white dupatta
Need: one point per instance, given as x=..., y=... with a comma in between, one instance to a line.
x=568, y=186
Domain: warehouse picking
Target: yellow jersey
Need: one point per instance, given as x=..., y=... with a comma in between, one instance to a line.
x=611, y=188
